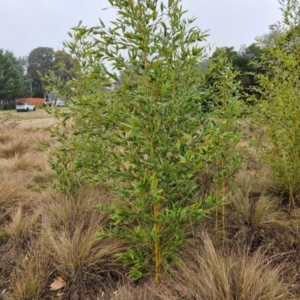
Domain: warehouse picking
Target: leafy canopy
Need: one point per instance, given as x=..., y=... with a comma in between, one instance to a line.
x=11, y=76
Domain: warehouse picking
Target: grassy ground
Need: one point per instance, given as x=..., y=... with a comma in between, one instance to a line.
x=33, y=119
x=38, y=114
x=49, y=249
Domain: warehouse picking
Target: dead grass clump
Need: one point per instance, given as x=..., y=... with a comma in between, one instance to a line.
x=13, y=192
x=11, y=250
x=206, y=274
x=69, y=226
x=43, y=178
x=5, y=137
x=19, y=142
x=20, y=221
x=83, y=261
x=16, y=237
x=43, y=136
x=25, y=162
x=15, y=147
x=64, y=213
x=31, y=275
x=8, y=122
x=254, y=218
x=8, y=136
x=23, y=223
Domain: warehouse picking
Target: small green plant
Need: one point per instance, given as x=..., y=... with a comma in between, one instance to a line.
x=226, y=109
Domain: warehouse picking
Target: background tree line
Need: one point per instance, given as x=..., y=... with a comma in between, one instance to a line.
x=245, y=62
x=21, y=77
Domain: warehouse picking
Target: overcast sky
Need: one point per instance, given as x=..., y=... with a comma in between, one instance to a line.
x=28, y=24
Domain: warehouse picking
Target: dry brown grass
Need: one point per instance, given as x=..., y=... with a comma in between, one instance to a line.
x=23, y=222
x=13, y=192
x=19, y=222
x=252, y=213
x=20, y=217
x=70, y=225
x=8, y=121
x=15, y=147
x=31, y=275
x=146, y=291
x=5, y=137
x=39, y=228
x=44, y=235
x=25, y=162
x=207, y=274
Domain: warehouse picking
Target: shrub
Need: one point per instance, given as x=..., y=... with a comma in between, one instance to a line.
x=143, y=134
x=279, y=109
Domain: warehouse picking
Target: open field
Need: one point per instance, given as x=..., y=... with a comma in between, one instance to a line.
x=38, y=118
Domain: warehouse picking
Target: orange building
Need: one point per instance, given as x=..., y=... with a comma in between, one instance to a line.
x=33, y=101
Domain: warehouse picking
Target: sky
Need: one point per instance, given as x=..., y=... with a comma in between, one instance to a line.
x=28, y=24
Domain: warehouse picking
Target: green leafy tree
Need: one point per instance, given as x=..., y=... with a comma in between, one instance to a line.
x=225, y=109
x=40, y=61
x=147, y=143
x=62, y=72
x=280, y=110
x=267, y=40
x=25, y=90
x=211, y=74
x=246, y=64
x=11, y=76
x=63, y=64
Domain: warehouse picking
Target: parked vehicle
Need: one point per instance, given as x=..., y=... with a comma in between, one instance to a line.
x=24, y=106
x=58, y=103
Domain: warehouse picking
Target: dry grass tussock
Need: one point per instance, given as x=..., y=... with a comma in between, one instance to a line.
x=30, y=277
x=8, y=122
x=69, y=230
x=252, y=214
x=25, y=162
x=14, y=147
x=13, y=192
x=20, y=212
x=207, y=274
